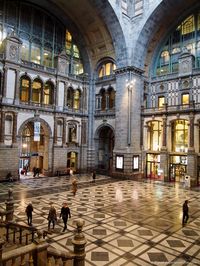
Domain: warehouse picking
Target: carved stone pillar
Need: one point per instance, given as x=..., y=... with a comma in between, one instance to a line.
x=2, y=129
x=14, y=133
x=17, y=87
x=191, y=132
x=79, y=243
x=164, y=135
x=55, y=131
x=64, y=132
x=5, y=81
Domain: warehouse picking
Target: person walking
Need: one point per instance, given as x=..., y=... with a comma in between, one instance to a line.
x=185, y=212
x=94, y=176
x=52, y=216
x=29, y=210
x=74, y=187
x=65, y=214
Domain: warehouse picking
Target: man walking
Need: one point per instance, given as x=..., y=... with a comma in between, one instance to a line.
x=29, y=210
x=185, y=212
x=65, y=213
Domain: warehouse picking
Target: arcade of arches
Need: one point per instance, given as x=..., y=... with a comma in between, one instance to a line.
x=94, y=93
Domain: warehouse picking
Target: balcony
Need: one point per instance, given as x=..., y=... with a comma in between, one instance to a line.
x=184, y=108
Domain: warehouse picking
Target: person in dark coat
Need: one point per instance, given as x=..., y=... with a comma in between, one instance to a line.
x=185, y=212
x=52, y=216
x=94, y=176
x=29, y=210
x=65, y=214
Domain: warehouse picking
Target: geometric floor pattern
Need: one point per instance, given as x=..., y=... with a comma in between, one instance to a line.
x=125, y=222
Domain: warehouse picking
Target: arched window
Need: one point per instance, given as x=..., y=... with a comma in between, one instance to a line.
x=154, y=135
x=185, y=35
x=77, y=98
x=72, y=132
x=111, y=95
x=70, y=97
x=36, y=91
x=106, y=69
x=48, y=93
x=103, y=99
x=25, y=84
x=180, y=136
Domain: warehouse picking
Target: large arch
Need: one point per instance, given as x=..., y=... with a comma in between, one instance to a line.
x=95, y=27
x=35, y=153
x=157, y=27
x=104, y=145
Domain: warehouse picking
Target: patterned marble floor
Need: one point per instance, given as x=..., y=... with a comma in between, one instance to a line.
x=126, y=222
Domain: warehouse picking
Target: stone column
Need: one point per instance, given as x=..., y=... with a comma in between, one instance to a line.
x=17, y=87
x=191, y=131
x=55, y=131
x=64, y=132
x=164, y=135
x=5, y=82
x=2, y=128
x=14, y=133
x=9, y=206
x=79, y=243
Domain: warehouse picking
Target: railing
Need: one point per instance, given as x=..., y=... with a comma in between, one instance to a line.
x=41, y=254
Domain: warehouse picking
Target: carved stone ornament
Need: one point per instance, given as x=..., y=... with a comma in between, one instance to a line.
x=13, y=52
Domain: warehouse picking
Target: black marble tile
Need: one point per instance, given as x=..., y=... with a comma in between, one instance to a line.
x=189, y=232
x=99, y=256
x=157, y=257
x=125, y=243
x=175, y=243
x=144, y=232
x=99, y=232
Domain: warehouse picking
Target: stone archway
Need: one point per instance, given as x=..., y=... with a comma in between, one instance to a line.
x=34, y=153
x=104, y=144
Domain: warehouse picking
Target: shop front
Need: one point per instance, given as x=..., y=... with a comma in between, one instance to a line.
x=153, y=170
x=178, y=168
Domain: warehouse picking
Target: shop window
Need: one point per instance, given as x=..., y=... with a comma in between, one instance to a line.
x=48, y=93
x=24, y=89
x=72, y=133
x=36, y=91
x=154, y=136
x=185, y=98
x=180, y=136
x=161, y=101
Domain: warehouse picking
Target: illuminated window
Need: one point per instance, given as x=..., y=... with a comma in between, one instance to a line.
x=25, y=50
x=185, y=98
x=161, y=102
x=25, y=88
x=154, y=135
x=180, y=136
x=106, y=69
x=77, y=95
x=36, y=91
x=48, y=93
x=35, y=53
x=47, y=57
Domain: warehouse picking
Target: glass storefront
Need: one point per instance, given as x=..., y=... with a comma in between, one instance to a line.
x=153, y=167
x=178, y=168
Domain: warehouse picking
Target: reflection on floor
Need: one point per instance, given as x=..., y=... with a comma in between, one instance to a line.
x=126, y=222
